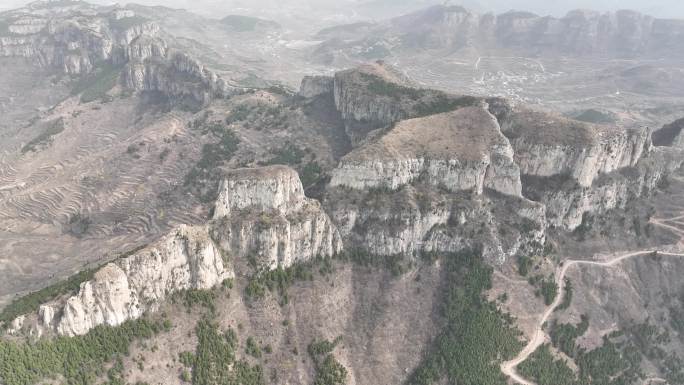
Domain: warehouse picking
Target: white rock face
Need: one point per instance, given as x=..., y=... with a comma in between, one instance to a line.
x=566, y=206
x=460, y=150
x=263, y=189
x=127, y=288
x=546, y=145
x=412, y=221
x=260, y=213
x=263, y=213
x=163, y=73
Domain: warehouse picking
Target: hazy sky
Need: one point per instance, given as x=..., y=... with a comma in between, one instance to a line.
x=363, y=8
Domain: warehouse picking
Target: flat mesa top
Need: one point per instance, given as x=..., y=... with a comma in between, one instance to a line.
x=553, y=129
x=465, y=134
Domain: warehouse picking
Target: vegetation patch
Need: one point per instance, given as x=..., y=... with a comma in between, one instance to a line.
x=476, y=336
x=616, y=362
x=328, y=370
x=259, y=115
x=203, y=178
x=563, y=336
x=545, y=369
x=595, y=116
x=427, y=102
x=79, y=360
x=442, y=103
x=279, y=280
x=289, y=154
x=214, y=361
x=567, y=296
x=46, y=137
x=546, y=288
x=95, y=86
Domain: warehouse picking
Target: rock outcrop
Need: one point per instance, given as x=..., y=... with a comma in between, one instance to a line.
x=176, y=75
x=260, y=214
x=313, y=86
x=127, y=288
x=263, y=213
x=420, y=218
x=549, y=171
x=567, y=202
x=376, y=95
x=463, y=150
x=451, y=28
x=670, y=135
x=55, y=35
x=548, y=145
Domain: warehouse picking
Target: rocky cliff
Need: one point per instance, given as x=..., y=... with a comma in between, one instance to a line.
x=420, y=218
x=125, y=289
x=176, y=75
x=462, y=150
x=261, y=214
x=567, y=202
x=377, y=95
x=670, y=135
x=452, y=28
x=56, y=35
x=492, y=150
x=548, y=145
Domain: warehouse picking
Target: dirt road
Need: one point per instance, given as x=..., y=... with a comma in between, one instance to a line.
x=509, y=368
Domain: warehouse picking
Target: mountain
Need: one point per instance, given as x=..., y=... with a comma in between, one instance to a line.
x=169, y=216
x=623, y=34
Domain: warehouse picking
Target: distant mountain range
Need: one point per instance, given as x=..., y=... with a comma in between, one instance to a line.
x=622, y=34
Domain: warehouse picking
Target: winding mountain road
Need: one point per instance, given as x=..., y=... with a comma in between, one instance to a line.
x=509, y=368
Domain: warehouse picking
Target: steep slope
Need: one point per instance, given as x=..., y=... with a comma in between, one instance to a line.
x=260, y=214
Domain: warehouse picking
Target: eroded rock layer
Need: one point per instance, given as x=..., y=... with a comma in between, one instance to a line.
x=55, y=35
x=261, y=213
x=127, y=288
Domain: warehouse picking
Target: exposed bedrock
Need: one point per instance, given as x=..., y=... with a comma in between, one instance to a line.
x=567, y=201
x=261, y=213
x=421, y=218
x=546, y=145
x=125, y=289
x=460, y=150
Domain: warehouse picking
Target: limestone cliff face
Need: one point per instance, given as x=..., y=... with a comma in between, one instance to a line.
x=176, y=75
x=567, y=202
x=75, y=45
x=263, y=213
x=358, y=103
x=547, y=145
x=72, y=44
x=125, y=289
x=451, y=28
x=377, y=95
x=460, y=150
x=419, y=218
